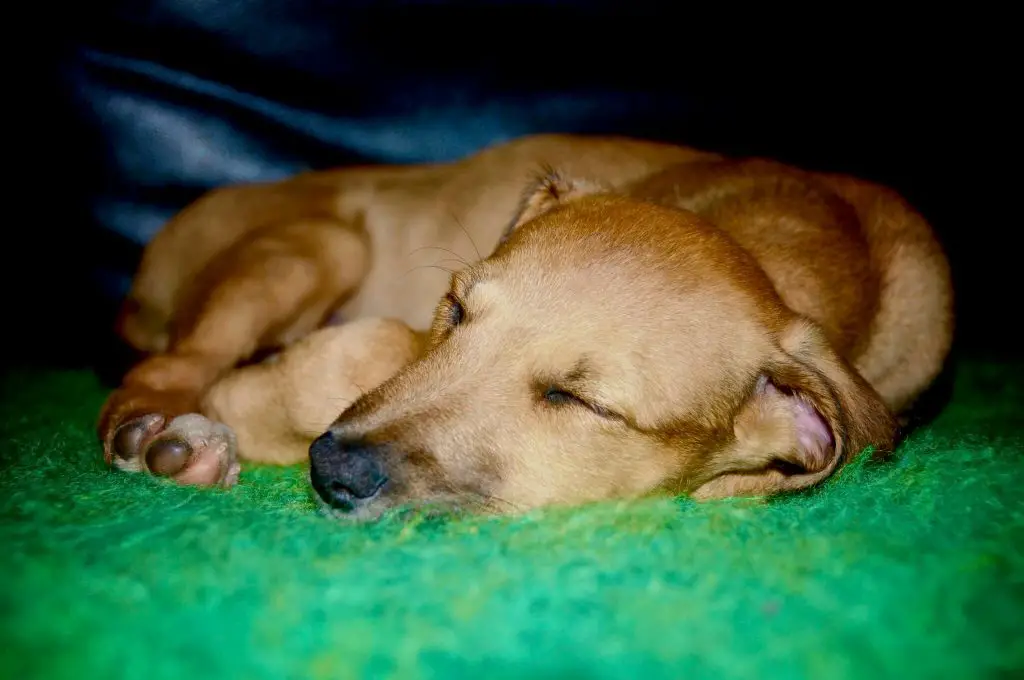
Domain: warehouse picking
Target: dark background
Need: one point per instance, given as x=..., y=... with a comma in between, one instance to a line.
x=128, y=110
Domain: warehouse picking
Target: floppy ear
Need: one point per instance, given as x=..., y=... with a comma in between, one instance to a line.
x=809, y=413
x=548, y=191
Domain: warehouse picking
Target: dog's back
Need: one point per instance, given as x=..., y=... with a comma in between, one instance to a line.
x=851, y=255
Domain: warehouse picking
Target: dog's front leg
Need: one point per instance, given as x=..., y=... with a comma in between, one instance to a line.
x=267, y=291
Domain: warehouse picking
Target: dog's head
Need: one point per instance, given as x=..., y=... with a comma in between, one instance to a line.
x=608, y=348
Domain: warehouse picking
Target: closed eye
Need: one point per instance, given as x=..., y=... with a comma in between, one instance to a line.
x=559, y=397
x=456, y=312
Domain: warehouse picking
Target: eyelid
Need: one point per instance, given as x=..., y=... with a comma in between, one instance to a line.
x=600, y=410
x=597, y=409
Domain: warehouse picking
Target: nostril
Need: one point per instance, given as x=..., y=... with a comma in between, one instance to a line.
x=376, y=487
x=344, y=497
x=340, y=497
x=357, y=489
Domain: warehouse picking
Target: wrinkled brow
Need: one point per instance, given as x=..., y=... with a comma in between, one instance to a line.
x=582, y=375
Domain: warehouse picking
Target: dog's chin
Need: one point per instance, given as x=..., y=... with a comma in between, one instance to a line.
x=377, y=507
x=365, y=511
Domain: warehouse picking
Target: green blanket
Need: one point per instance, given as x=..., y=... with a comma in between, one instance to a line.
x=911, y=569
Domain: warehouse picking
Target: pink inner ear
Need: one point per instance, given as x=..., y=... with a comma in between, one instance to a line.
x=813, y=433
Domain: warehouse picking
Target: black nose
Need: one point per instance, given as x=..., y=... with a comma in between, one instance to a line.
x=345, y=472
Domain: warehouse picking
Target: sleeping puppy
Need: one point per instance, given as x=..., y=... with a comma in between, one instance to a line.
x=650, y=319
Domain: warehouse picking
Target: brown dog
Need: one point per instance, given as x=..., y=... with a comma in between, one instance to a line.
x=652, y=318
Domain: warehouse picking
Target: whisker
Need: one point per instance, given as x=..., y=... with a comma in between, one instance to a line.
x=458, y=257
x=451, y=259
x=428, y=266
x=465, y=231
x=486, y=502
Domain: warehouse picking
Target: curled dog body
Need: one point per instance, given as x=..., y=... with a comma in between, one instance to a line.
x=649, y=320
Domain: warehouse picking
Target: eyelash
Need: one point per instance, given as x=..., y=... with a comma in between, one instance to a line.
x=557, y=397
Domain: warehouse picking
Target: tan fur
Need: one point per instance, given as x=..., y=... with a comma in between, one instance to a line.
x=279, y=406
x=701, y=311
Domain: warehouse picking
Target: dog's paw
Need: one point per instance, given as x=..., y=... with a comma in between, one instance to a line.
x=190, y=449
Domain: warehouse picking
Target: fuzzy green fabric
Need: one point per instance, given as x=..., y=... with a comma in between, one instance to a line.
x=913, y=568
